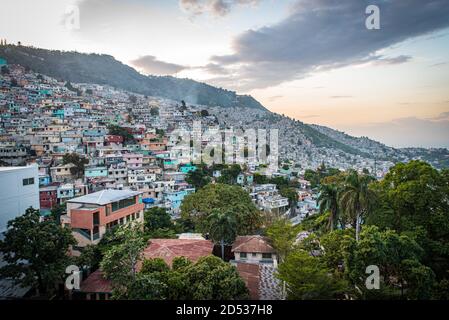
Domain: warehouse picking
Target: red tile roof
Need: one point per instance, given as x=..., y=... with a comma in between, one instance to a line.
x=168, y=249
x=254, y=243
x=251, y=276
x=96, y=283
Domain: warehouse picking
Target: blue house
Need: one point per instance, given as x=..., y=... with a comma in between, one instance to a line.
x=186, y=168
x=175, y=198
x=96, y=172
x=241, y=178
x=44, y=180
x=3, y=62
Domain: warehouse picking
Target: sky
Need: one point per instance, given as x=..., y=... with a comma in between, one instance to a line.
x=313, y=60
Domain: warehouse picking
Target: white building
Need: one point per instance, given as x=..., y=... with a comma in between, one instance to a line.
x=19, y=190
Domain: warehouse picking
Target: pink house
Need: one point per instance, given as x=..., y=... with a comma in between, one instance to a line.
x=133, y=160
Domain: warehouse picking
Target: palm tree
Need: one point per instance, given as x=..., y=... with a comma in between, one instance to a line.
x=222, y=228
x=328, y=201
x=356, y=198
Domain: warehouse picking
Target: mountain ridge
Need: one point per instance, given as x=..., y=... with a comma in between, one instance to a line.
x=104, y=69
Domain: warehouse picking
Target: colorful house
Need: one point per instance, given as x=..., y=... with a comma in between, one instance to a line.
x=186, y=168
x=96, y=172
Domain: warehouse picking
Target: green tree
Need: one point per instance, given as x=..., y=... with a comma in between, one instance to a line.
x=260, y=179
x=222, y=228
x=414, y=198
x=157, y=218
x=198, y=178
x=143, y=287
x=78, y=161
x=120, y=131
x=308, y=278
x=282, y=235
x=90, y=257
x=35, y=252
x=57, y=211
x=229, y=174
x=210, y=278
x=158, y=224
x=291, y=194
x=120, y=261
x=198, y=206
x=154, y=265
x=328, y=201
x=398, y=258
x=357, y=199
x=313, y=177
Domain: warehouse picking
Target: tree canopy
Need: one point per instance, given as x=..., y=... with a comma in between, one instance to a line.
x=226, y=198
x=35, y=252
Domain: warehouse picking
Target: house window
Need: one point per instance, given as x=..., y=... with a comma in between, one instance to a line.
x=254, y=254
x=243, y=255
x=266, y=255
x=28, y=181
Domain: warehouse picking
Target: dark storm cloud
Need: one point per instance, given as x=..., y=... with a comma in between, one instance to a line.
x=151, y=65
x=326, y=34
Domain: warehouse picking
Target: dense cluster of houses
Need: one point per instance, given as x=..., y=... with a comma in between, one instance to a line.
x=43, y=119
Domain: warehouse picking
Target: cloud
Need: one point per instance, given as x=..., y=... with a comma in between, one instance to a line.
x=213, y=68
x=408, y=132
x=214, y=7
x=392, y=61
x=341, y=97
x=151, y=65
x=320, y=35
x=439, y=64
x=442, y=116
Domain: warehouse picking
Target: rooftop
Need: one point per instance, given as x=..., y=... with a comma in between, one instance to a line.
x=105, y=196
x=254, y=243
x=5, y=169
x=96, y=283
x=168, y=249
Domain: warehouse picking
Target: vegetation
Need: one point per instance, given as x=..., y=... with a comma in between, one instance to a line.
x=199, y=177
x=229, y=174
x=35, y=252
x=158, y=224
x=123, y=132
x=208, y=279
x=399, y=224
x=229, y=199
x=119, y=263
x=78, y=161
x=222, y=227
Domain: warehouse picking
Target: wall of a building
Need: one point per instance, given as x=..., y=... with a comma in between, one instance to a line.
x=15, y=198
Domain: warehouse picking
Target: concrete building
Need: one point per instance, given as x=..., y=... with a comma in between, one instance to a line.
x=90, y=216
x=19, y=190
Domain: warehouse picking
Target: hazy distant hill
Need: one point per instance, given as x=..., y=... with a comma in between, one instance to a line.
x=104, y=69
